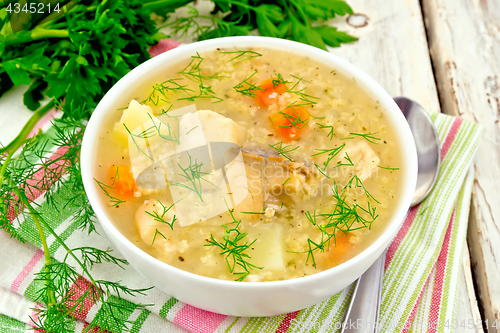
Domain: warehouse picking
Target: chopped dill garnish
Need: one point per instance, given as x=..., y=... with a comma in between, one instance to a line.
x=294, y=119
x=205, y=92
x=191, y=130
x=161, y=218
x=285, y=181
x=331, y=154
x=193, y=175
x=278, y=79
x=387, y=168
x=348, y=159
x=157, y=232
x=368, y=137
x=233, y=248
x=359, y=183
x=114, y=200
x=170, y=136
x=155, y=130
x=244, y=55
x=246, y=88
x=161, y=89
x=304, y=99
x=256, y=213
x=193, y=72
x=330, y=133
x=425, y=209
x=143, y=135
x=342, y=219
x=282, y=150
x=323, y=172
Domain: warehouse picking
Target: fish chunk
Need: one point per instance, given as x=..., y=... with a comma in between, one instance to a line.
x=275, y=179
x=364, y=158
x=148, y=226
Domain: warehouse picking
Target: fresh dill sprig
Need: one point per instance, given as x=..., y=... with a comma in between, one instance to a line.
x=295, y=119
x=358, y=183
x=331, y=154
x=189, y=25
x=283, y=149
x=193, y=175
x=142, y=135
x=368, y=137
x=105, y=189
x=255, y=213
x=205, y=92
x=161, y=217
x=348, y=159
x=330, y=133
x=193, y=70
x=160, y=91
x=157, y=232
x=246, y=88
x=243, y=54
x=91, y=256
x=278, y=79
x=304, y=99
x=342, y=219
x=58, y=159
x=233, y=248
x=387, y=168
x=156, y=130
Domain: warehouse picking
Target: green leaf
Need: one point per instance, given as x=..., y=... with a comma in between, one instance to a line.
x=223, y=6
x=17, y=74
x=5, y=82
x=267, y=16
x=304, y=34
x=34, y=95
x=325, y=9
x=226, y=30
x=332, y=37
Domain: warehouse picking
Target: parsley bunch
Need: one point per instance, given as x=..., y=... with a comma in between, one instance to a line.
x=290, y=19
x=76, y=54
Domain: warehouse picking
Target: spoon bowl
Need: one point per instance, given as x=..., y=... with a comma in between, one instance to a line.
x=427, y=144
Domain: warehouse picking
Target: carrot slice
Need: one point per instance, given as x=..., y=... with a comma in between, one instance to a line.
x=290, y=123
x=270, y=93
x=122, y=180
x=339, y=248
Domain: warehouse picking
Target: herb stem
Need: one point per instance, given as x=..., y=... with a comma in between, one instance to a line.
x=37, y=218
x=50, y=292
x=18, y=141
x=36, y=34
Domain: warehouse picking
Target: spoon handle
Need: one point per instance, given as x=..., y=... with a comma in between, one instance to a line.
x=362, y=314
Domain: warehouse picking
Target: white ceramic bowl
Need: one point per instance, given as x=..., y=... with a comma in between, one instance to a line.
x=246, y=298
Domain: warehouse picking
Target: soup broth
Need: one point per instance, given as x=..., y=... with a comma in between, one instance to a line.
x=250, y=165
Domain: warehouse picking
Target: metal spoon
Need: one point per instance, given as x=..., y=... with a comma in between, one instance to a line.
x=362, y=314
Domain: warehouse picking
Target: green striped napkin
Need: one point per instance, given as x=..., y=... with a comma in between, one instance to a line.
x=423, y=265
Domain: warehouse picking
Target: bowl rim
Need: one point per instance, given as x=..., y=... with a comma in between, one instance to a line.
x=367, y=83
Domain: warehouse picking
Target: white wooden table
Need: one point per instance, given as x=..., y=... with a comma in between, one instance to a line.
x=446, y=55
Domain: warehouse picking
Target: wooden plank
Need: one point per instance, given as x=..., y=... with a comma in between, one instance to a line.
x=393, y=49
x=467, y=307
x=464, y=37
